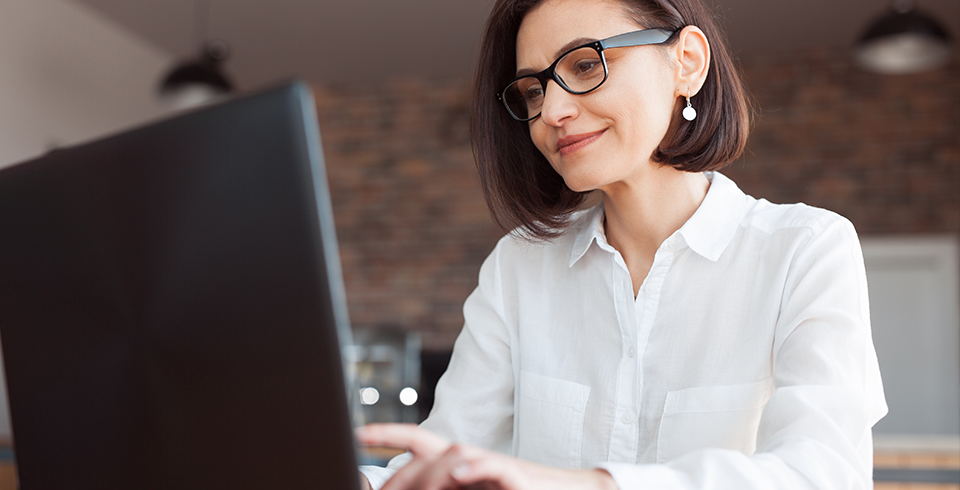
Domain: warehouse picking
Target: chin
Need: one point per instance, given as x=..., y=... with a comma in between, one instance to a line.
x=581, y=184
x=585, y=176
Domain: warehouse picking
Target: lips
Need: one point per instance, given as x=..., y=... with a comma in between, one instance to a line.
x=572, y=143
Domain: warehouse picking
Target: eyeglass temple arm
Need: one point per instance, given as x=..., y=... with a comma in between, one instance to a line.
x=637, y=38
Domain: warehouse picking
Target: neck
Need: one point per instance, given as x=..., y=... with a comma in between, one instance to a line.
x=641, y=214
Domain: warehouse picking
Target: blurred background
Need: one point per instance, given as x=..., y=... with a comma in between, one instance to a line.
x=839, y=126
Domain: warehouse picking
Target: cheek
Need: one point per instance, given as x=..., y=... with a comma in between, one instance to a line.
x=643, y=101
x=643, y=117
x=539, y=135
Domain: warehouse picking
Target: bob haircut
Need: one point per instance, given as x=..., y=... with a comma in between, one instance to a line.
x=522, y=190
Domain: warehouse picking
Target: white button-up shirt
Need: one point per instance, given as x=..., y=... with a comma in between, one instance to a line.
x=745, y=361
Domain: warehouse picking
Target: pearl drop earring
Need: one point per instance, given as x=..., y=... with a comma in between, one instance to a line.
x=689, y=113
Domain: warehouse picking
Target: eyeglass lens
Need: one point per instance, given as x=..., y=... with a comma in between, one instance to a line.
x=579, y=71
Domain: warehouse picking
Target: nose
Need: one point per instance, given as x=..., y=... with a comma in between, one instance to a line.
x=558, y=105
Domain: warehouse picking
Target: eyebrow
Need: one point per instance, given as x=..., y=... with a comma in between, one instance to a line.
x=580, y=41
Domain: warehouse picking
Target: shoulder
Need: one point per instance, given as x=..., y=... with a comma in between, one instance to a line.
x=756, y=229
x=521, y=249
x=798, y=219
x=793, y=238
x=520, y=266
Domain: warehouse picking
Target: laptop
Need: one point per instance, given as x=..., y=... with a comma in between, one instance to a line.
x=172, y=309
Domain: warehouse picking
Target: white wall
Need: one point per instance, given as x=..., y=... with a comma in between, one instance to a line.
x=68, y=75
x=914, y=284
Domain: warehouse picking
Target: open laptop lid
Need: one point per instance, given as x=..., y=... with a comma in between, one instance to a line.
x=172, y=306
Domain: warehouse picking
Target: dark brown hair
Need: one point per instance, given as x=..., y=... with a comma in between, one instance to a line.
x=523, y=190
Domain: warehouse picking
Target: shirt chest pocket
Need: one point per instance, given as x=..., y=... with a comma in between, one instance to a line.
x=712, y=416
x=550, y=420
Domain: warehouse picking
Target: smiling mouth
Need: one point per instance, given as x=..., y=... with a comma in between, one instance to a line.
x=572, y=143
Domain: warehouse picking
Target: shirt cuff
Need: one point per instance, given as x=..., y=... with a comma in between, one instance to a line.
x=377, y=476
x=646, y=476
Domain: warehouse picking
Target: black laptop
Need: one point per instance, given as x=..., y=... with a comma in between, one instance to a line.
x=172, y=308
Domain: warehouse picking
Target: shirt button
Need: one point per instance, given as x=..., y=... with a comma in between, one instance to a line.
x=626, y=417
x=632, y=351
x=651, y=289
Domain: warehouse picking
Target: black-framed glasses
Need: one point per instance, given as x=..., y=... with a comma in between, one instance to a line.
x=578, y=71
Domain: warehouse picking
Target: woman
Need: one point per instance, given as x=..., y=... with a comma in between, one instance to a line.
x=679, y=334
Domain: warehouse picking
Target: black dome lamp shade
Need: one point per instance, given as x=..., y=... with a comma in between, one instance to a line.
x=903, y=41
x=199, y=80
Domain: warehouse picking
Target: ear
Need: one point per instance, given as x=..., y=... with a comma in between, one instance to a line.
x=692, y=51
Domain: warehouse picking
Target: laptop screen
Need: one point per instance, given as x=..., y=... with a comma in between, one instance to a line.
x=172, y=308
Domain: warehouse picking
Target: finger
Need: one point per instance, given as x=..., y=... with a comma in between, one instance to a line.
x=406, y=478
x=429, y=473
x=437, y=473
x=364, y=483
x=406, y=436
x=493, y=469
x=482, y=486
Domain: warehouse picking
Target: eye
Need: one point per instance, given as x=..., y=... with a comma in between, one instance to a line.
x=529, y=89
x=581, y=69
x=587, y=67
x=533, y=93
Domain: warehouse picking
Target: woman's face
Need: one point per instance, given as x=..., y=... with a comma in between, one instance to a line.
x=606, y=137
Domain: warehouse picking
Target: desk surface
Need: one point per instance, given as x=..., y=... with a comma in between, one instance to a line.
x=883, y=461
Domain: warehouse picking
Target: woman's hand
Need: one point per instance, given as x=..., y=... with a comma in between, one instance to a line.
x=438, y=464
x=364, y=483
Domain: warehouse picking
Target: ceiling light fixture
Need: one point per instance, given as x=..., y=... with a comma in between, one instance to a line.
x=199, y=80
x=903, y=41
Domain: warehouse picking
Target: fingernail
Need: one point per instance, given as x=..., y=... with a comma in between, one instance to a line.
x=361, y=433
x=461, y=471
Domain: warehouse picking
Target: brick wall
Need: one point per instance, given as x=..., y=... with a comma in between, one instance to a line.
x=411, y=221
x=884, y=151
x=413, y=228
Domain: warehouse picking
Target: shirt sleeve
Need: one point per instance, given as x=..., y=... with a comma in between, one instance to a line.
x=815, y=432
x=474, y=397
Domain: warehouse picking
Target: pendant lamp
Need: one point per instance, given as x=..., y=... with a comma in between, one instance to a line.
x=199, y=80
x=903, y=41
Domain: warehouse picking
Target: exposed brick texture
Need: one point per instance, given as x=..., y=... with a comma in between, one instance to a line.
x=413, y=228
x=884, y=151
x=411, y=221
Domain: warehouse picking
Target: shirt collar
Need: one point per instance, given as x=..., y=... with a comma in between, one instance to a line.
x=707, y=232
x=712, y=226
x=591, y=228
